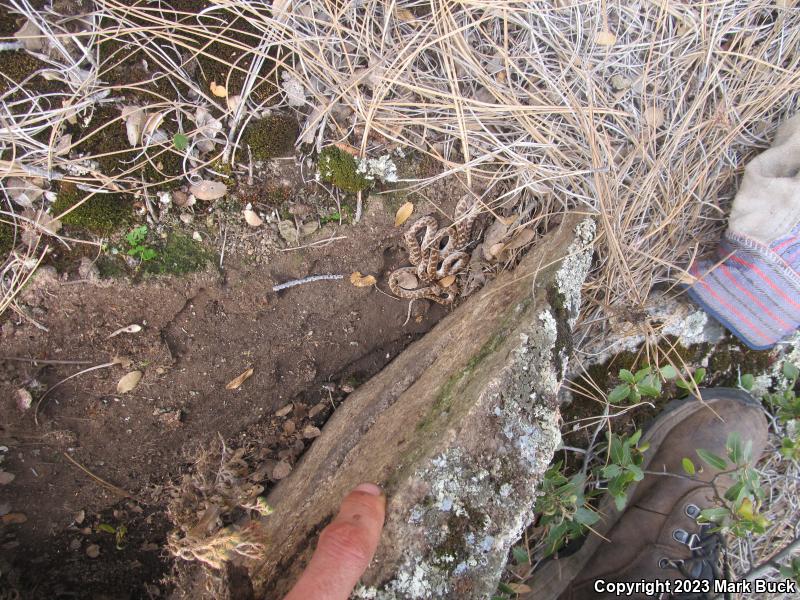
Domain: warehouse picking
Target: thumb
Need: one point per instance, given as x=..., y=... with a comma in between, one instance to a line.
x=345, y=547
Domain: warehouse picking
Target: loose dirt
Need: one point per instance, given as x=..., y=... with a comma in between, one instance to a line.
x=308, y=346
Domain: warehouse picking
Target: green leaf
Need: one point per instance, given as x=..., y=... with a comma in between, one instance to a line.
x=502, y=587
x=620, y=502
x=637, y=473
x=611, y=471
x=682, y=384
x=634, y=439
x=586, y=516
x=712, y=459
x=181, y=141
x=641, y=374
x=733, y=492
x=619, y=393
x=107, y=528
x=714, y=515
x=626, y=376
x=747, y=381
x=734, y=447
x=668, y=372
x=688, y=466
x=790, y=371
x=520, y=555
x=699, y=375
x=137, y=235
x=148, y=254
x=650, y=386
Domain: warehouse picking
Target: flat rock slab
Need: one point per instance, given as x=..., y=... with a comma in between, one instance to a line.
x=458, y=430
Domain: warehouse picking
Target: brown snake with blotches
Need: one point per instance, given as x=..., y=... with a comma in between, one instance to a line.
x=438, y=255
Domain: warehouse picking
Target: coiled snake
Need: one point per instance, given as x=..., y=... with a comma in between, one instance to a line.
x=436, y=257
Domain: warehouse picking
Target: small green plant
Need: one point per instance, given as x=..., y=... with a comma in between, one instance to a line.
x=119, y=532
x=624, y=468
x=565, y=513
x=693, y=381
x=737, y=510
x=180, y=141
x=636, y=385
x=137, y=248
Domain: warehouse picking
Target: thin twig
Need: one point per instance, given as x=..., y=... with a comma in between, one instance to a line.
x=109, y=486
x=294, y=282
x=47, y=393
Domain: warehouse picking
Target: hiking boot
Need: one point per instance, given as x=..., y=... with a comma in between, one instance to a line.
x=657, y=537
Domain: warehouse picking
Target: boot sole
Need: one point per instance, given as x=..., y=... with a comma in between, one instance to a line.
x=550, y=581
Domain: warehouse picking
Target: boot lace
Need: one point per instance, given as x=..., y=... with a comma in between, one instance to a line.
x=707, y=547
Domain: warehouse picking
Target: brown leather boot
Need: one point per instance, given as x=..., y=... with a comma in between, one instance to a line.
x=657, y=536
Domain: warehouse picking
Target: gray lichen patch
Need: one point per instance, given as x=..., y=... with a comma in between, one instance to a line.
x=480, y=495
x=575, y=267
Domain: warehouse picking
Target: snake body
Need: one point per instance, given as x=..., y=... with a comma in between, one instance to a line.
x=437, y=255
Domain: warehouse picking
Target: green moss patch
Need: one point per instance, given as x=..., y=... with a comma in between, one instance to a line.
x=6, y=239
x=177, y=255
x=271, y=137
x=101, y=214
x=341, y=169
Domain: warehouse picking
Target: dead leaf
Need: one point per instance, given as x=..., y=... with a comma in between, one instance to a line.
x=316, y=409
x=359, y=280
x=151, y=124
x=218, y=90
x=403, y=213
x=63, y=144
x=519, y=588
x=134, y=118
x=39, y=222
x=654, y=116
x=404, y=15
x=235, y=383
x=134, y=328
x=251, y=218
x=407, y=280
x=495, y=234
x=208, y=190
x=308, y=228
x=30, y=36
x=14, y=518
x=288, y=231
x=605, y=38
x=183, y=199
x=281, y=470
x=521, y=238
x=447, y=281
x=345, y=147
x=24, y=399
x=310, y=432
x=79, y=517
x=93, y=551
x=284, y=411
x=23, y=191
x=6, y=477
x=495, y=250
x=129, y=382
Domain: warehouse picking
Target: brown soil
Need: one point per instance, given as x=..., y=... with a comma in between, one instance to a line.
x=307, y=345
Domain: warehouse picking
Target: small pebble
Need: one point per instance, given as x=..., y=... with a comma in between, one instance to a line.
x=93, y=551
